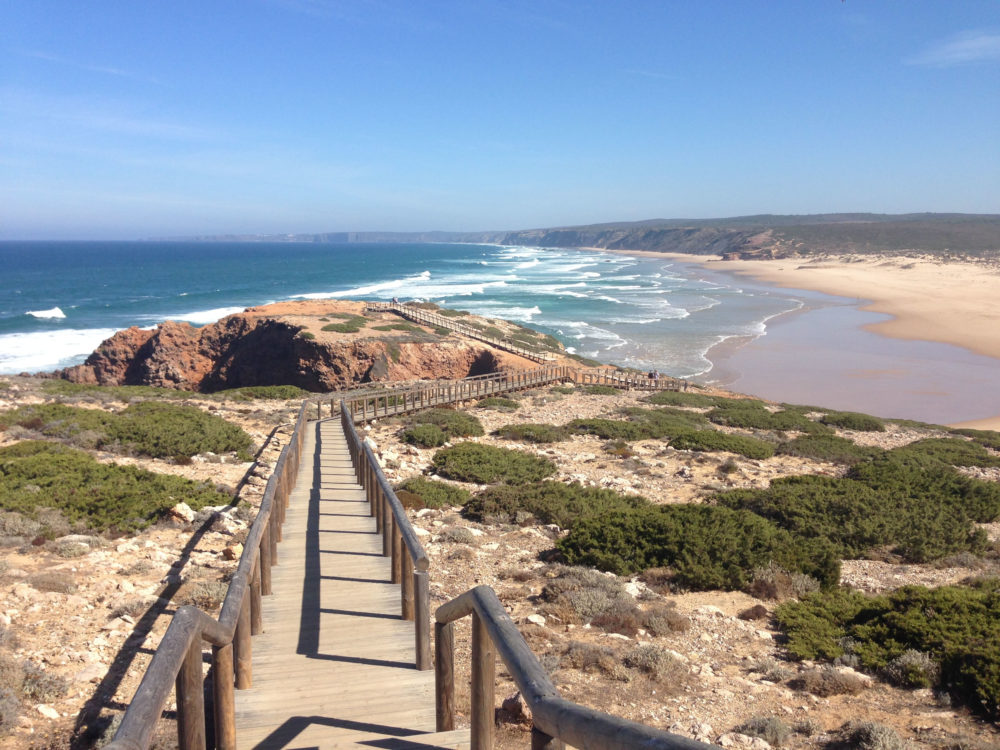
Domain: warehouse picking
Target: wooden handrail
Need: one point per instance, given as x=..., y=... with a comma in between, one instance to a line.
x=431, y=318
x=399, y=540
x=177, y=662
x=556, y=721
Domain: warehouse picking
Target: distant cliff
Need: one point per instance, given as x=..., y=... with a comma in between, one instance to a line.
x=283, y=344
x=770, y=236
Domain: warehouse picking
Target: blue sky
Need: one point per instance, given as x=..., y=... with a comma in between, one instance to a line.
x=128, y=120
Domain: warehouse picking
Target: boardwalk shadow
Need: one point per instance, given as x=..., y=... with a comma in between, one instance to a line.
x=285, y=734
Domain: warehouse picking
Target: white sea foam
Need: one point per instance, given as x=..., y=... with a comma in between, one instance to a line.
x=528, y=264
x=607, y=298
x=51, y=313
x=204, y=317
x=48, y=350
x=523, y=314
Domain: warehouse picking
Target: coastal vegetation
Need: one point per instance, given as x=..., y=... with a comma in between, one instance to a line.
x=487, y=464
x=421, y=492
x=434, y=427
x=150, y=428
x=38, y=475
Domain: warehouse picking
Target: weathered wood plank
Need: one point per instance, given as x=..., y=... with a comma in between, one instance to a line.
x=334, y=661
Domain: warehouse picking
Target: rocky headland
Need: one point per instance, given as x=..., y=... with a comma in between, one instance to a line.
x=307, y=344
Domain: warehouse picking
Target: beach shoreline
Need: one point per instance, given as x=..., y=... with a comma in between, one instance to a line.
x=914, y=298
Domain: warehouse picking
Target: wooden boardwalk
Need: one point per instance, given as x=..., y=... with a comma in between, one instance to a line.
x=334, y=665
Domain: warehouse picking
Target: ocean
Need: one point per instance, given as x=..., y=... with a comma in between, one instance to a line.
x=60, y=300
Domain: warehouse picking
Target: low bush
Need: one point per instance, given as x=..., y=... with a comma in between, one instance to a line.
x=498, y=402
x=655, y=661
x=581, y=595
x=352, y=324
x=453, y=423
x=434, y=494
x=830, y=448
x=684, y=398
x=600, y=390
x=408, y=327
x=663, y=619
x=157, y=429
x=827, y=681
x=769, y=728
x=533, y=433
x=705, y=547
x=870, y=735
x=588, y=657
x=750, y=414
x=713, y=440
x=852, y=420
x=920, y=508
x=642, y=424
x=124, y=393
x=987, y=438
x=955, y=626
x=425, y=435
x=951, y=451
x=258, y=392
x=912, y=669
x=774, y=582
x=563, y=390
x=35, y=475
x=453, y=313
x=548, y=502
x=486, y=464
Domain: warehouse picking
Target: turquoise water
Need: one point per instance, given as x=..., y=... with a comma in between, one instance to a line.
x=59, y=300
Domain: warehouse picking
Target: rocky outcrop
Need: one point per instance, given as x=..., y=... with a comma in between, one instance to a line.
x=253, y=349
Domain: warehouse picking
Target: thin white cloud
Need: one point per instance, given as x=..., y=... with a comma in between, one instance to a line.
x=104, y=69
x=959, y=49
x=83, y=112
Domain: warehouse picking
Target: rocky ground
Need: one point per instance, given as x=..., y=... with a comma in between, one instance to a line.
x=88, y=611
x=725, y=671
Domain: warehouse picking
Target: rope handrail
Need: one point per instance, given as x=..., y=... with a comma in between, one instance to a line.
x=555, y=719
x=399, y=540
x=177, y=662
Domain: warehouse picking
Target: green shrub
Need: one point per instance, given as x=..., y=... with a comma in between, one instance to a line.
x=955, y=626
x=684, y=398
x=120, y=392
x=750, y=414
x=642, y=424
x=600, y=390
x=712, y=440
x=827, y=448
x=563, y=390
x=408, y=327
x=951, y=451
x=706, y=547
x=157, y=429
x=486, y=464
x=914, y=504
x=425, y=435
x=497, y=402
x=442, y=331
x=453, y=313
x=533, y=433
x=434, y=494
x=307, y=335
x=852, y=420
x=162, y=430
x=352, y=324
x=35, y=475
x=579, y=595
x=987, y=438
x=255, y=392
x=548, y=502
x=453, y=423
x=870, y=735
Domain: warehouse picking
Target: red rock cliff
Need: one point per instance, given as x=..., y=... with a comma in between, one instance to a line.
x=256, y=349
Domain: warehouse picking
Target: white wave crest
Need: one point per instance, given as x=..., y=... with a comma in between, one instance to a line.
x=523, y=314
x=203, y=317
x=50, y=314
x=48, y=350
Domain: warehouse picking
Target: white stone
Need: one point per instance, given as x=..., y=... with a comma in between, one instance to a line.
x=47, y=711
x=535, y=619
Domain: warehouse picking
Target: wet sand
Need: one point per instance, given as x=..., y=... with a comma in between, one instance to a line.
x=896, y=337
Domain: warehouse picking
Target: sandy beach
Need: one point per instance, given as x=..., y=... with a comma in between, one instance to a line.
x=926, y=300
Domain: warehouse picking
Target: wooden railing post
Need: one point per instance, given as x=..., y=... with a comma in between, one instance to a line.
x=444, y=675
x=244, y=648
x=256, y=613
x=224, y=697
x=191, y=700
x=483, y=685
x=422, y=618
x=406, y=589
x=265, y=562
